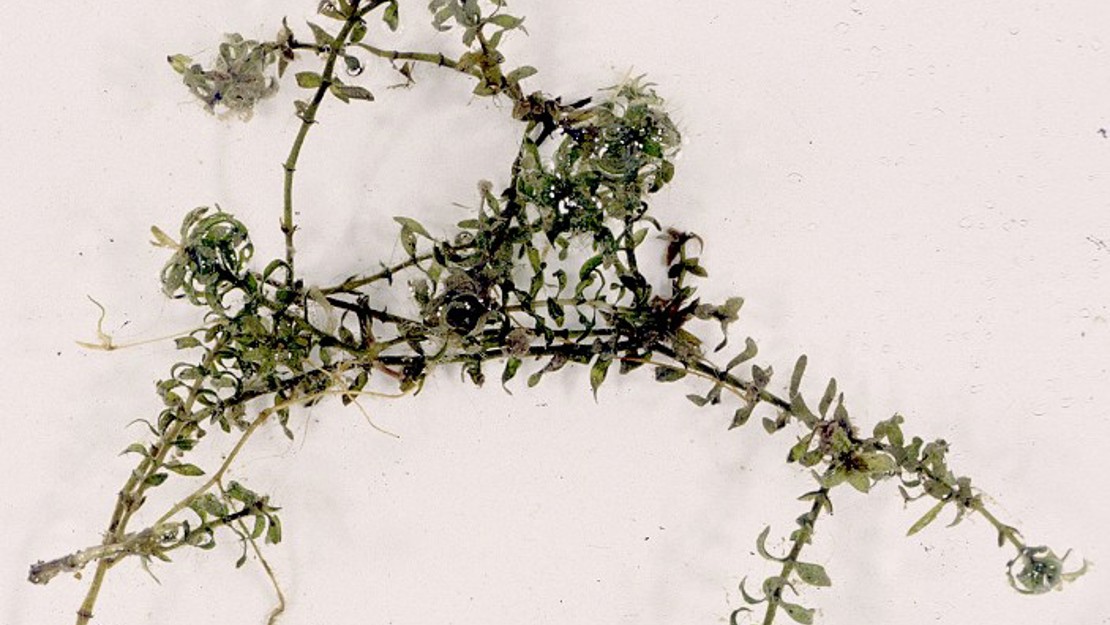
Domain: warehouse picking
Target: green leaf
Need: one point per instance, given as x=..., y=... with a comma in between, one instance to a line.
x=506, y=21
x=740, y=417
x=555, y=309
x=179, y=62
x=521, y=73
x=879, y=464
x=798, y=451
x=859, y=480
x=323, y=39
x=750, y=600
x=156, y=479
x=511, y=367
x=761, y=545
x=589, y=266
x=828, y=397
x=309, y=80
x=927, y=518
x=186, y=342
x=358, y=31
x=136, y=448
x=273, y=534
x=597, y=373
x=669, y=374
x=750, y=350
x=798, y=613
x=799, y=409
x=772, y=425
x=328, y=10
x=762, y=376
x=812, y=574
x=796, y=376
x=238, y=492
x=184, y=468
x=259, y=526
x=413, y=225
x=346, y=93
x=210, y=504
x=697, y=399
x=534, y=259
x=732, y=618
x=390, y=16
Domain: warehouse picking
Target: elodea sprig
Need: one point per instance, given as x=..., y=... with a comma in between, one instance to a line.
x=554, y=269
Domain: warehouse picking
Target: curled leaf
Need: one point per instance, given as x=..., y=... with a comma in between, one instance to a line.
x=761, y=545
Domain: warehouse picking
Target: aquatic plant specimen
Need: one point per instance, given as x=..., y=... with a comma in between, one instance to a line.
x=553, y=269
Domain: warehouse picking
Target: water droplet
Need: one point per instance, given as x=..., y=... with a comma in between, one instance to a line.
x=842, y=28
x=354, y=66
x=1085, y=313
x=932, y=69
x=965, y=223
x=876, y=50
x=795, y=177
x=1065, y=402
x=1015, y=31
x=911, y=72
x=811, y=226
x=886, y=348
x=976, y=389
x=1023, y=222
x=989, y=206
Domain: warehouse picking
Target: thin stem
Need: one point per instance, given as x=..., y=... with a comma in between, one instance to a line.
x=803, y=536
x=353, y=283
x=131, y=496
x=725, y=378
x=279, y=609
x=218, y=475
x=308, y=118
x=433, y=58
x=1004, y=531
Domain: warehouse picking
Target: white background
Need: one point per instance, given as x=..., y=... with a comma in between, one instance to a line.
x=914, y=194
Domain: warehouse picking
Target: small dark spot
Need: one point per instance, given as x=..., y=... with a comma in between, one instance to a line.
x=1103, y=132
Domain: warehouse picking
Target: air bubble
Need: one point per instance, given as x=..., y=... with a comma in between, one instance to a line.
x=354, y=66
